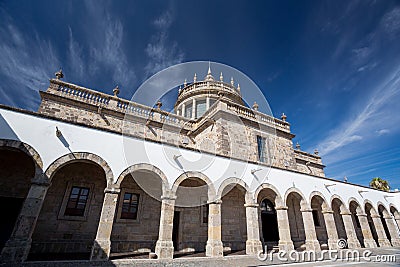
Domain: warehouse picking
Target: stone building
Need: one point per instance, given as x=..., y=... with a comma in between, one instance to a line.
x=92, y=175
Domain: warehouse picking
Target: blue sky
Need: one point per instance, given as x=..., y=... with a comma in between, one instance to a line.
x=332, y=66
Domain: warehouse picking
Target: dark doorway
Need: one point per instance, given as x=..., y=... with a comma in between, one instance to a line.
x=10, y=207
x=269, y=222
x=175, y=230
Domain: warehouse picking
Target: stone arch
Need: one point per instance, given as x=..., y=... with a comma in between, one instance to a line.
x=359, y=209
x=383, y=208
x=371, y=207
x=325, y=204
x=303, y=202
x=319, y=205
x=28, y=150
x=278, y=199
x=234, y=194
x=337, y=216
x=194, y=174
x=143, y=167
x=231, y=182
x=356, y=210
x=80, y=156
x=394, y=211
x=343, y=207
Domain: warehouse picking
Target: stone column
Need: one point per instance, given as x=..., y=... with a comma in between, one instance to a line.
x=214, y=247
x=207, y=102
x=102, y=244
x=395, y=240
x=193, y=108
x=369, y=241
x=380, y=231
x=253, y=243
x=17, y=247
x=352, y=241
x=312, y=242
x=285, y=240
x=164, y=246
x=331, y=229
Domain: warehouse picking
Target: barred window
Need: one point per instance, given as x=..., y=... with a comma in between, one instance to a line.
x=188, y=111
x=130, y=206
x=77, y=201
x=200, y=108
x=262, y=149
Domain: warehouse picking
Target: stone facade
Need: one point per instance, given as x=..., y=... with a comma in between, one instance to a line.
x=177, y=210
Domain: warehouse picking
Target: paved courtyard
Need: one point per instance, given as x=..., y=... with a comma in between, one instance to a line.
x=383, y=257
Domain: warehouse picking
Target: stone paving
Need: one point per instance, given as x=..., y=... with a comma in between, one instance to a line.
x=391, y=257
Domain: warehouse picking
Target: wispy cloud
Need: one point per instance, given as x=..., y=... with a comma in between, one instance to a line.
x=26, y=63
x=75, y=56
x=161, y=51
x=374, y=114
x=108, y=50
x=391, y=22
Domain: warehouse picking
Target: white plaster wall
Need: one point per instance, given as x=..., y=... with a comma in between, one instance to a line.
x=121, y=152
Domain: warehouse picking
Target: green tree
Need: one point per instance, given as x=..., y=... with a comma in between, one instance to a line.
x=380, y=184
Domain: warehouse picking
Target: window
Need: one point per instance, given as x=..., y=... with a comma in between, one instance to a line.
x=130, y=206
x=200, y=108
x=316, y=218
x=188, y=111
x=212, y=101
x=77, y=201
x=262, y=149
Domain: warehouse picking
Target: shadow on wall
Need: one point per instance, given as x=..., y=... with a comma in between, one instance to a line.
x=6, y=132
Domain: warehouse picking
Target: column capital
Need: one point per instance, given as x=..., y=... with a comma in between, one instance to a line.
x=327, y=211
x=375, y=216
x=387, y=217
x=252, y=205
x=215, y=201
x=345, y=213
x=362, y=215
x=112, y=190
x=41, y=180
x=306, y=210
x=281, y=208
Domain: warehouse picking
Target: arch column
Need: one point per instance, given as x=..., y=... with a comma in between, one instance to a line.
x=312, y=242
x=380, y=231
x=352, y=241
x=17, y=247
x=369, y=241
x=253, y=243
x=214, y=246
x=395, y=240
x=164, y=246
x=102, y=244
x=285, y=240
x=330, y=229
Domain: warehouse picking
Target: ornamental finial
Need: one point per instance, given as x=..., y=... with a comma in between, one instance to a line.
x=238, y=88
x=195, y=78
x=255, y=106
x=159, y=104
x=283, y=117
x=116, y=90
x=185, y=83
x=232, y=82
x=59, y=74
x=209, y=67
x=221, y=78
x=297, y=146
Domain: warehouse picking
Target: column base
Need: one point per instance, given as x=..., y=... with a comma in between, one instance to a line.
x=332, y=244
x=313, y=245
x=385, y=243
x=370, y=243
x=15, y=251
x=100, y=250
x=353, y=243
x=395, y=242
x=253, y=247
x=214, y=248
x=285, y=245
x=164, y=249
